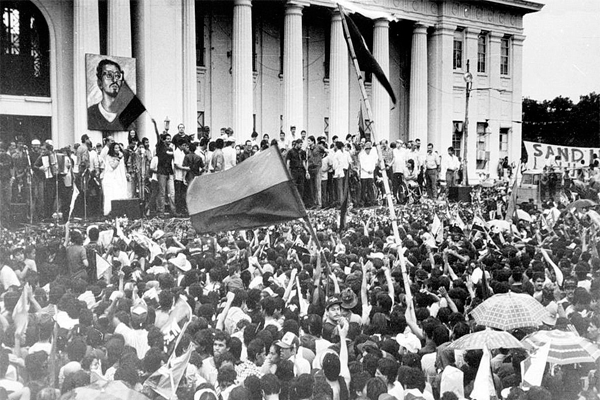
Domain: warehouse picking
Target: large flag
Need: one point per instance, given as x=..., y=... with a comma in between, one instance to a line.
x=362, y=130
x=366, y=61
x=131, y=105
x=257, y=192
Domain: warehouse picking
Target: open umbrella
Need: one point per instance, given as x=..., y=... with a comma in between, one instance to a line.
x=565, y=347
x=581, y=203
x=487, y=338
x=509, y=311
x=104, y=390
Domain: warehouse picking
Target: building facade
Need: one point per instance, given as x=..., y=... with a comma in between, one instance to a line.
x=265, y=66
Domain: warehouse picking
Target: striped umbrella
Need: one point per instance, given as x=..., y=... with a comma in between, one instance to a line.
x=565, y=347
x=508, y=311
x=487, y=338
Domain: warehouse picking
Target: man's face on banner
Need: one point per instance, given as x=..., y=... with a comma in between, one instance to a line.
x=112, y=79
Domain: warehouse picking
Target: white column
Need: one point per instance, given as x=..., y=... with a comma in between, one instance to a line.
x=86, y=40
x=338, y=79
x=417, y=120
x=381, y=98
x=119, y=28
x=515, y=135
x=242, y=69
x=293, y=107
x=441, y=92
x=190, y=81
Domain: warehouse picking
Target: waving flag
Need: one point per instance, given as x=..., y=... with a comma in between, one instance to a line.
x=101, y=266
x=257, y=192
x=131, y=105
x=73, y=200
x=366, y=61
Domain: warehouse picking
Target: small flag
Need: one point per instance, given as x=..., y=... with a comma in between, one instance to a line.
x=166, y=380
x=557, y=271
x=367, y=62
x=512, y=203
x=483, y=388
x=73, y=200
x=131, y=105
x=258, y=192
x=101, y=266
x=532, y=368
x=21, y=311
x=437, y=229
x=361, y=124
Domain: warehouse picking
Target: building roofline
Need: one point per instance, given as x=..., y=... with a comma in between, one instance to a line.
x=524, y=6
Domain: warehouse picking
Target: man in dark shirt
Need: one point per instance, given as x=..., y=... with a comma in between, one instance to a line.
x=194, y=162
x=296, y=163
x=166, y=184
x=315, y=154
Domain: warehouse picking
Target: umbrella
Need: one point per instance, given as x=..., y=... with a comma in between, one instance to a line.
x=509, y=311
x=581, y=203
x=522, y=214
x=103, y=390
x=565, y=347
x=487, y=338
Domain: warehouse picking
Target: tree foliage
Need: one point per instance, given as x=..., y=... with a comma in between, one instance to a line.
x=560, y=121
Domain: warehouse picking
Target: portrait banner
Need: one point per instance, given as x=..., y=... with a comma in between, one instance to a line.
x=538, y=155
x=110, y=86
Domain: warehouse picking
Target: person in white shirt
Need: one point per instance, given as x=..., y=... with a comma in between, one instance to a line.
x=432, y=167
x=451, y=165
x=368, y=161
x=341, y=163
x=229, y=154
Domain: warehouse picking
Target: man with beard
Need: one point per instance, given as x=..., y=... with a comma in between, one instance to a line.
x=104, y=116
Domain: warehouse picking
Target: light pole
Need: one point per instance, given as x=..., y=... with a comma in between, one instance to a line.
x=468, y=77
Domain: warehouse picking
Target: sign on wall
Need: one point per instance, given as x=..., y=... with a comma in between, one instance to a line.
x=572, y=157
x=106, y=78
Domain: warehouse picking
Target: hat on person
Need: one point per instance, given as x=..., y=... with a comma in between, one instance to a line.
x=50, y=142
x=349, y=299
x=409, y=341
x=268, y=268
x=35, y=142
x=158, y=234
x=288, y=341
x=332, y=301
x=181, y=262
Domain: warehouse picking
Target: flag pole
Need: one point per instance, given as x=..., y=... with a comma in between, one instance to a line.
x=386, y=184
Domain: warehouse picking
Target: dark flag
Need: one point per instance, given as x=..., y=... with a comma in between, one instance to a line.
x=131, y=105
x=255, y=193
x=361, y=124
x=365, y=59
x=343, y=212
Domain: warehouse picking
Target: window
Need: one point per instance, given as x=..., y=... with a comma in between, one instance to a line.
x=483, y=155
x=481, y=52
x=24, y=50
x=255, y=38
x=504, y=55
x=504, y=142
x=458, y=49
x=200, y=49
x=457, y=142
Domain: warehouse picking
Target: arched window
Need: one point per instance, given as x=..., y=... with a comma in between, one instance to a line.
x=24, y=50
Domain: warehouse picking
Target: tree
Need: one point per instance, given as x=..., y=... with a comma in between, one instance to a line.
x=560, y=121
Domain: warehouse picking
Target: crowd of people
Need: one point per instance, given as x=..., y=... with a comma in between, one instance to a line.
x=324, y=171
x=268, y=313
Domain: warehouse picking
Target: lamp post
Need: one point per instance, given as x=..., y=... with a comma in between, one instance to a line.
x=468, y=77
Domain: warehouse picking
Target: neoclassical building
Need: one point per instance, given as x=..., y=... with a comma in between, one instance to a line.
x=265, y=66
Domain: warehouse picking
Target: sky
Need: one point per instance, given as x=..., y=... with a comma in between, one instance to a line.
x=561, y=52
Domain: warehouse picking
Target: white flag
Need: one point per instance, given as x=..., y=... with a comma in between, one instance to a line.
x=483, y=388
x=101, y=266
x=73, y=199
x=532, y=369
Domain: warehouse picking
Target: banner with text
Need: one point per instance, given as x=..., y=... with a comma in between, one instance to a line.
x=571, y=157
